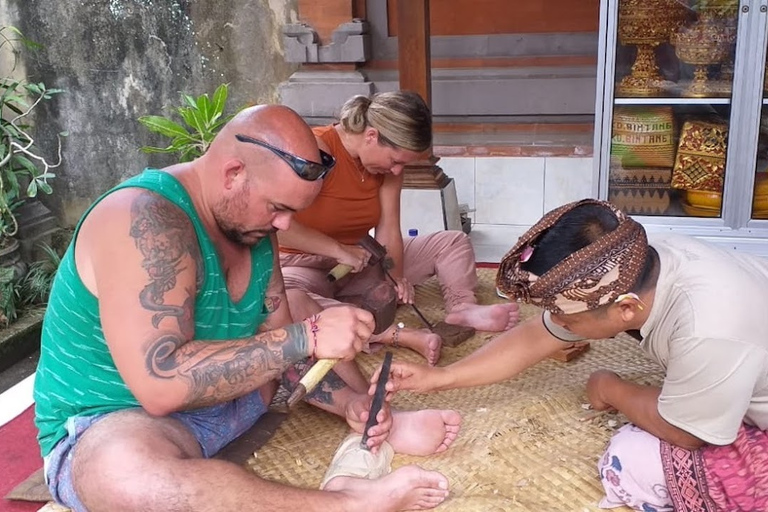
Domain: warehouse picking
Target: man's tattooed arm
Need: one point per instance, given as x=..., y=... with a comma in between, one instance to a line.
x=276, y=302
x=221, y=371
x=168, y=243
x=213, y=372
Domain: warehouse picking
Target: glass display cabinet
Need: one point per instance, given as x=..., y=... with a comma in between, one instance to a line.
x=681, y=125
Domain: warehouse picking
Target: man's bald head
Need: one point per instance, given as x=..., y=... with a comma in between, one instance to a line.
x=277, y=125
x=253, y=189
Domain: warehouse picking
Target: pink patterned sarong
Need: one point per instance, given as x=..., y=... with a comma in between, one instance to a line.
x=731, y=478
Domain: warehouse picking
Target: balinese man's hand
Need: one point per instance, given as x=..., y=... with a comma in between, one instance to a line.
x=597, y=385
x=357, y=412
x=404, y=376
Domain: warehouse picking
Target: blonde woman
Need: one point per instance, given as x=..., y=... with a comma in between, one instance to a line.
x=373, y=141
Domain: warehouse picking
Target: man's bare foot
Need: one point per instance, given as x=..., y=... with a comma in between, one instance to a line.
x=423, y=341
x=492, y=318
x=424, y=432
x=406, y=488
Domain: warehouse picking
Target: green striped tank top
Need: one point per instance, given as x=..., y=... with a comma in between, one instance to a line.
x=76, y=375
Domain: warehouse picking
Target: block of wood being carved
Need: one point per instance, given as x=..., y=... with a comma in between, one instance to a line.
x=570, y=353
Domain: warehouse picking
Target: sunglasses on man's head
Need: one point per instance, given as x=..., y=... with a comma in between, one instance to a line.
x=304, y=169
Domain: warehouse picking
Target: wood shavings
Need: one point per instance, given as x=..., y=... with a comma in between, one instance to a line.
x=594, y=414
x=586, y=407
x=499, y=446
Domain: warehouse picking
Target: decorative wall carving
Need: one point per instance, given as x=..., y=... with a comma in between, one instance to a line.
x=350, y=43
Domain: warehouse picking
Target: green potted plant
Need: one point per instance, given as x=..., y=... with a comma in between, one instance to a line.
x=24, y=169
x=35, y=286
x=201, y=119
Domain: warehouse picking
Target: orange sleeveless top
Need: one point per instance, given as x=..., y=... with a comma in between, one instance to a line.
x=348, y=205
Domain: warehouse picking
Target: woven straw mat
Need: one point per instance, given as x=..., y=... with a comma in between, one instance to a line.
x=522, y=446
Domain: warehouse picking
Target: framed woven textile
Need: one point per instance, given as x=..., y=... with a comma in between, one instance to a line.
x=700, y=161
x=643, y=136
x=643, y=191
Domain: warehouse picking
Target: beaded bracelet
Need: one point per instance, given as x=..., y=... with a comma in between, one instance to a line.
x=396, y=335
x=313, y=328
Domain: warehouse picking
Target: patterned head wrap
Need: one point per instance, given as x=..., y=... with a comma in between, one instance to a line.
x=586, y=279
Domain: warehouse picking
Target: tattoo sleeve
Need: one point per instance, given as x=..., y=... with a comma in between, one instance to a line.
x=167, y=241
x=276, y=302
x=214, y=371
x=220, y=371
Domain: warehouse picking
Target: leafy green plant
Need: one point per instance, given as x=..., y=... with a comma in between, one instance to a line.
x=10, y=297
x=203, y=117
x=24, y=170
x=35, y=286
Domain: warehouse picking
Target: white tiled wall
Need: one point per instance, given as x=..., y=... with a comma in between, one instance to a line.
x=509, y=194
x=427, y=210
x=508, y=190
x=567, y=180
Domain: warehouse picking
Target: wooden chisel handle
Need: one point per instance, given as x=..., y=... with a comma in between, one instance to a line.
x=310, y=380
x=338, y=272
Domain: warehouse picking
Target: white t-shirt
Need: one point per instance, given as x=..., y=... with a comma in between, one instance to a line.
x=708, y=328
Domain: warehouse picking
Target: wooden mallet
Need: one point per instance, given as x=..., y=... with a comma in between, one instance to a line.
x=381, y=302
x=375, y=249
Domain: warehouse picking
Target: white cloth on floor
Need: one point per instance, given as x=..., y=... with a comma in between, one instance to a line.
x=353, y=460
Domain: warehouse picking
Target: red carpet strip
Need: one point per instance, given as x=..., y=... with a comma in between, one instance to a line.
x=19, y=458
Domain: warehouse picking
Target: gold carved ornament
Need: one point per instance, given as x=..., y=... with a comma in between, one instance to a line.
x=646, y=24
x=700, y=160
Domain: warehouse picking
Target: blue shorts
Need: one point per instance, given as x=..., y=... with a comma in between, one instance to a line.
x=214, y=427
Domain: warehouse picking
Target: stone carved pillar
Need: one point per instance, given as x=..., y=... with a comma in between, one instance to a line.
x=330, y=42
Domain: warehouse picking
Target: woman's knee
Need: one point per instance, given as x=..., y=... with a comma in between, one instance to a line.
x=453, y=238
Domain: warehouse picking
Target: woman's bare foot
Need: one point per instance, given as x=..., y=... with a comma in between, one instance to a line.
x=424, y=432
x=423, y=341
x=492, y=318
x=406, y=488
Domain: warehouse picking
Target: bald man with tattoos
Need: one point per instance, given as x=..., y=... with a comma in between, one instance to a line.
x=168, y=327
